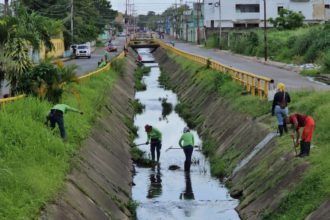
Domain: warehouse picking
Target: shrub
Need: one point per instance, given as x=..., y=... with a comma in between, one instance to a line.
x=47, y=80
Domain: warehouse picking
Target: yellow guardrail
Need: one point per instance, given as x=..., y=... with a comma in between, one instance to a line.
x=255, y=84
x=4, y=101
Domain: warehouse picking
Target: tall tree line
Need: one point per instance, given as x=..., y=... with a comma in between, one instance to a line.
x=90, y=17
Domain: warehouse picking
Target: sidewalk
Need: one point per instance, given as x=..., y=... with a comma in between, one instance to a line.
x=274, y=70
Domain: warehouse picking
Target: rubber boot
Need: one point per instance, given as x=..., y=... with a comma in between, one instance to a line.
x=308, y=148
x=303, y=149
x=280, y=129
x=285, y=128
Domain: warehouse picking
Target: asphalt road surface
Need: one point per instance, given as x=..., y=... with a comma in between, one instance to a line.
x=85, y=65
x=291, y=79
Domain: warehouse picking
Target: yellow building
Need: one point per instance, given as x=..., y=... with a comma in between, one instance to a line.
x=58, y=50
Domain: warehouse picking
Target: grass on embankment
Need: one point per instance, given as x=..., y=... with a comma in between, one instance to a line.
x=33, y=161
x=138, y=75
x=314, y=188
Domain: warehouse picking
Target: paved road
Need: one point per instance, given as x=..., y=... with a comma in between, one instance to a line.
x=293, y=80
x=85, y=65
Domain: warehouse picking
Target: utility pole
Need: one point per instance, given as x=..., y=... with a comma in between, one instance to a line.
x=198, y=7
x=71, y=21
x=220, y=25
x=265, y=31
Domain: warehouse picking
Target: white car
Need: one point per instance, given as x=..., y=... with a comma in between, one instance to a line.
x=83, y=50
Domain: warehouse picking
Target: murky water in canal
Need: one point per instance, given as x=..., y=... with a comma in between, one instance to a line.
x=166, y=194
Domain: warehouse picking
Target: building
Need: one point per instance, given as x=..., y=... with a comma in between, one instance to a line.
x=250, y=13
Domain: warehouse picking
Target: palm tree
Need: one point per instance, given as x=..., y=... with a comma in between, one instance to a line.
x=18, y=34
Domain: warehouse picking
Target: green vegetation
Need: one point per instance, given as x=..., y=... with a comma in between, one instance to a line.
x=89, y=16
x=17, y=35
x=164, y=80
x=310, y=72
x=288, y=20
x=34, y=160
x=303, y=45
x=138, y=107
x=213, y=81
x=313, y=189
x=47, y=80
x=138, y=156
x=167, y=107
x=138, y=75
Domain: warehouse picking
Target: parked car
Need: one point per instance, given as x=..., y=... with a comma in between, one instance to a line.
x=83, y=50
x=111, y=48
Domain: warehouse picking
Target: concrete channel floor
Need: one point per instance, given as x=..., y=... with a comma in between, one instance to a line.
x=291, y=79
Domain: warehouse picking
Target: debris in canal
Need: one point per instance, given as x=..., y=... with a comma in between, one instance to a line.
x=140, y=160
x=173, y=167
x=167, y=108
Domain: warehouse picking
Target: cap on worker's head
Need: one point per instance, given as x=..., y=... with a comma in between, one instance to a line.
x=280, y=87
x=186, y=129
x=147, y=127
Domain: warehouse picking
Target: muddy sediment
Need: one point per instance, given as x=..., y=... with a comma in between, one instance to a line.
x=236, y=134
x=99, y=184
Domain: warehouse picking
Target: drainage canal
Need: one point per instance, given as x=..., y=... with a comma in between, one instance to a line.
x=172, y=194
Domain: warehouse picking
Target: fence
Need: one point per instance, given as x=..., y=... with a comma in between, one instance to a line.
x=255, y=84
x=80, y=79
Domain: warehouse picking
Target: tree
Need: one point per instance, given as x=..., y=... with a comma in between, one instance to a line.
x=89, y=16
x=288, y=20
x=18, y=34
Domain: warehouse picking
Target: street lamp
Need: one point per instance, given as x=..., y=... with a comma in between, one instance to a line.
x=265, y=31
x=218, y=4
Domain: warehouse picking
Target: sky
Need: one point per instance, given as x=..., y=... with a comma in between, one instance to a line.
x=143, y=6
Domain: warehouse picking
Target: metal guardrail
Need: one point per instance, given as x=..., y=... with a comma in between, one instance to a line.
x=255, y=84
x=4, y=101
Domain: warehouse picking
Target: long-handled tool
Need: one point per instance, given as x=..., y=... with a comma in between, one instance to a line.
x=136, y=145
x=294, y=145
x=179, y=148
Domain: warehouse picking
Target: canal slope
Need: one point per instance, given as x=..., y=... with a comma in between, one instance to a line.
x=99, y=185
x=230, y=136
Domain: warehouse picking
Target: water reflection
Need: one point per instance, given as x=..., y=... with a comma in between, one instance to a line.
x=187, y=193
x=155, y=187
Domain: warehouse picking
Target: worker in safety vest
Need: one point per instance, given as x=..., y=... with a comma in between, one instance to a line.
x=155, y=139
x=55, y=116
x=307, y=122
x=186, y=142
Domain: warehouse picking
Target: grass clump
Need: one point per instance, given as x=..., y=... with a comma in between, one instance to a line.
x=138, y=156
x=310, y=72
x=164, y=80
x=138, y=75
x=34, y=161
x=184, y=111
x=137, y=106
x=167, y=108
